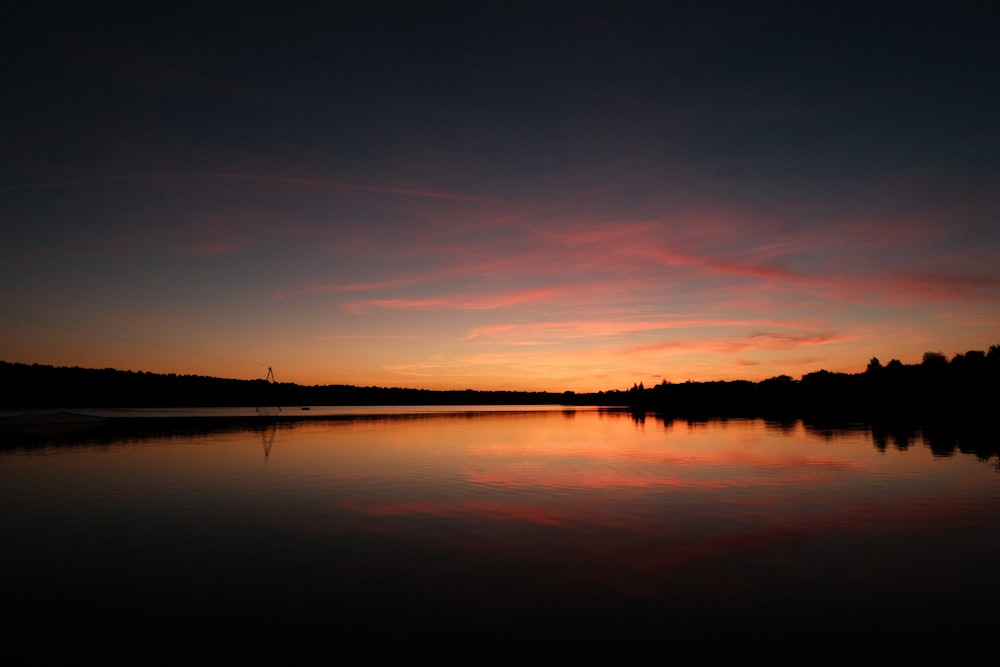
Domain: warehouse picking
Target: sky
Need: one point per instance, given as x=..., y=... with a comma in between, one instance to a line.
x=499, y=195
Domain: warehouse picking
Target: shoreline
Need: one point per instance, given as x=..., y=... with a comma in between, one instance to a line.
x=69, y=421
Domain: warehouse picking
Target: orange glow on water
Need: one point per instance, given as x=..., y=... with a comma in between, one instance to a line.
x=534, y=519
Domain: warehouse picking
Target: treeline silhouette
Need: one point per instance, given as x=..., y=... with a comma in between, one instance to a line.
x=40, y=386
x=967, y=387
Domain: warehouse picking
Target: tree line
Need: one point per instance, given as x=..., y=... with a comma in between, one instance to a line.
x=41, y=386
x=967, y=385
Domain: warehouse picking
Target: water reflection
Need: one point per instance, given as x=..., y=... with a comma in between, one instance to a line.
x=577, y=521
x=267, y=430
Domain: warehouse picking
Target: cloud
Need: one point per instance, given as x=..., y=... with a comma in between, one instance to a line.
x=552, y=332
x=768, y=340
x=915, y=285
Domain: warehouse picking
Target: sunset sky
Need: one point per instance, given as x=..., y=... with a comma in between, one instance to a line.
x=496, y=195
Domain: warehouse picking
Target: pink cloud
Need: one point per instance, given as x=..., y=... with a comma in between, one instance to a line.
x=541, y=332
x=914, y=285
x=588, y=261
x=756, y=341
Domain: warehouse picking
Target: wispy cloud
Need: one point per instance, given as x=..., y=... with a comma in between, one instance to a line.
x=913, y=285
x=541, y=333
x=764, y=340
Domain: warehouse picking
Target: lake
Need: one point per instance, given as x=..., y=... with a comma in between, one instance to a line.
x=503, y=524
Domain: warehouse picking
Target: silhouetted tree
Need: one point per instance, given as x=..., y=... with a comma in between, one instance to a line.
x=935, y=390
x=934, y=360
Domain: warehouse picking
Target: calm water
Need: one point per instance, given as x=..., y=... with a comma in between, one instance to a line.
x=506, y=523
